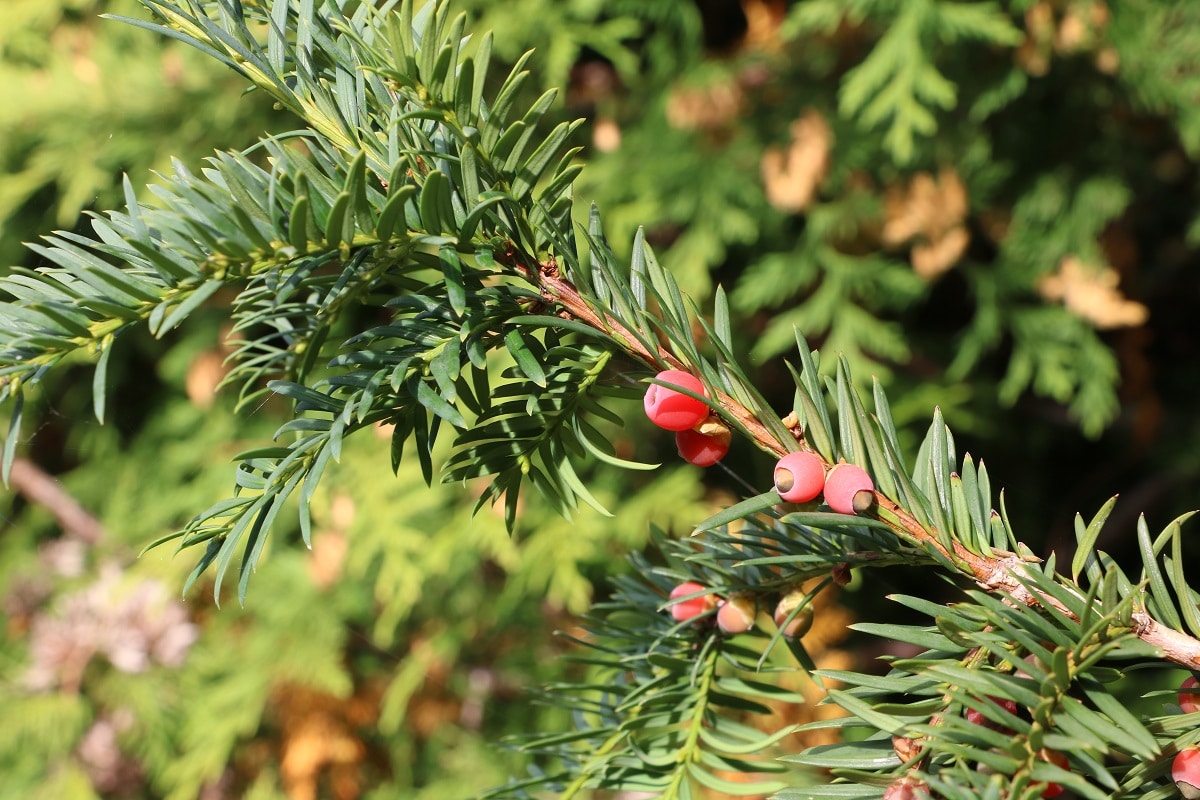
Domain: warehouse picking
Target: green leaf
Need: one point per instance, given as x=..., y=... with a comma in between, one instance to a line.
x=862, y=710
x=850, y=437
x=1187, y=597
x=66, y=318
x=941, y=459
x=339, y=225
x=921, y=637
x=210, y=555
x=637, y=269
x=815, y=427
x=757, y=744
x=100, y=381
x=14, y=435
x=589, y=443
x=534, y=168
x=452, y=271
x=486, y=202
x=1163, y=604
x=745, y=508
x=392, y=221
x=196, y=298
x=305, y=396
x=728, y=787
x=858, y=755
x=436, y=215
x=721, y=320
x=1087, y=538
x=1135, y=737
x=298, y=234
x=518, y=347
x=311, y=481
x=429, y=398
x=832, y=791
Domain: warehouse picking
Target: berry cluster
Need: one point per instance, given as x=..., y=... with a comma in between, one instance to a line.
x=800, y=478
x=673, y=410
x=1058, y=759
x=673, y=403
x=1185, y=769
x=737, y=614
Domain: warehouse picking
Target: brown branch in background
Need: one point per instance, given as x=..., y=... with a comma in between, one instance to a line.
x=997, y=571
x=42, y=489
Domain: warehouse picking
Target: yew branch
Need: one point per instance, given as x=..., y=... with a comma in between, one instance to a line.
x=995, y=571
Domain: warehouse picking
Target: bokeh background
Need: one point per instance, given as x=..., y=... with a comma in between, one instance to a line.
x=992, y=207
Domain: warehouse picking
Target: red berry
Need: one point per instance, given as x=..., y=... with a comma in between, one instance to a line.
x=672, y=410
x=736, y=615
x=977, y=717
x=1189, y=698
x=700, y=449
x=801, y=622
x=691, y=608
x=1056, y=758
x=843, y=483
x=799, y=477
x=1185, y=771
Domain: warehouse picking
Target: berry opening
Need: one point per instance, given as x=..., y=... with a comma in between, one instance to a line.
x=843, y=485
x=799, y=477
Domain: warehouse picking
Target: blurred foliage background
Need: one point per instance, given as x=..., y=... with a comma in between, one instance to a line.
x=991, y=206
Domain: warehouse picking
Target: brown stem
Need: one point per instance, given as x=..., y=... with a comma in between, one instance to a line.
x=562, y=292
x=995, y=572
x=1176, y=646
x=42, y=489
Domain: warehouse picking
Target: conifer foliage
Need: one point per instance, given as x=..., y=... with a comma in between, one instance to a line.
x=411, y=256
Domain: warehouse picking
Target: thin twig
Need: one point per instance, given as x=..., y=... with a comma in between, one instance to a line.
x=43, y=489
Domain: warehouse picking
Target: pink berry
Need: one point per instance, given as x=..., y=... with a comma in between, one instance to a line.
x=687, y=610
x=736, y=615
x=1185, y=771
x=672, y=410
x=799, y=477
x=843, y=483
x=907, y=788
x=700, y=449
x=801, y=622
x=1189, y=697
